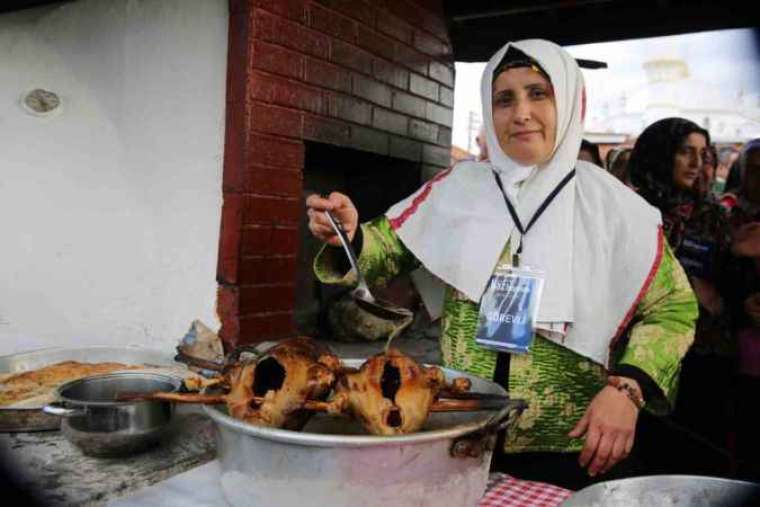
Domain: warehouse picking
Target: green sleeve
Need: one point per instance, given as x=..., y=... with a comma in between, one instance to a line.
x=383, y=257
x=663, y=331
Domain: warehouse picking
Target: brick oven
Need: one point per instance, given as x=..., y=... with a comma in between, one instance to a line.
x=316, y=86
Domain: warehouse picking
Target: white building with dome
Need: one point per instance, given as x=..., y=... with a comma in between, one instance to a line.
x=729, y=116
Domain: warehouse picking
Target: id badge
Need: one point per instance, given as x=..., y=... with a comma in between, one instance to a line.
x=696, y=257
x=508, y=309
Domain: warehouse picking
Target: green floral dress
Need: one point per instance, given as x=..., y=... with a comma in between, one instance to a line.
x=557, y=383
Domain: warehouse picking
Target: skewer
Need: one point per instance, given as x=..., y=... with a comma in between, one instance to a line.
x=205, y=399
x=464, y=405
x=489, y=402
x=197, y=362
x=473, y=396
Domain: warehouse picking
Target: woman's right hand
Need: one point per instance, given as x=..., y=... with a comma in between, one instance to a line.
x=342, y=208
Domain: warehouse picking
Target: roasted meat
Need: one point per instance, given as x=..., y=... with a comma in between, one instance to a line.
x=283, y=379
x=279, y=388
x=391, y=394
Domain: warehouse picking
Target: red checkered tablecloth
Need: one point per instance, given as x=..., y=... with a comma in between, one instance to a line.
x=506, y=491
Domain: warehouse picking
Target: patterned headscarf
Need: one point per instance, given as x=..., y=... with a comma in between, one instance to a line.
x=651, y=163
x=515, y=58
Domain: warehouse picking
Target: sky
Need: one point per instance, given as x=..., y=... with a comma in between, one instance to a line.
x=729, y=59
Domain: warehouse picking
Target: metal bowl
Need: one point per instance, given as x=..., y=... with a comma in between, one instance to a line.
x=100, y=426
x=667, y=491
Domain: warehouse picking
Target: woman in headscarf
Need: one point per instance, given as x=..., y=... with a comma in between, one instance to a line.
x=666, y=166
x=616, y=313
x=745, y=220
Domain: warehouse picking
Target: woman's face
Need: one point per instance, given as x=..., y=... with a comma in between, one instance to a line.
x=524, y=115
x=688, y=161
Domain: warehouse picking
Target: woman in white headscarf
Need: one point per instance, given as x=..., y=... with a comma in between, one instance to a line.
x=617, y=313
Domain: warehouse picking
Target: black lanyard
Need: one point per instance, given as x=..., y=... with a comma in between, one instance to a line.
x=539, y=211
x=501, y=372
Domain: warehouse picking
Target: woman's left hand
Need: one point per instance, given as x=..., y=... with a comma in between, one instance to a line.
x=610, y=426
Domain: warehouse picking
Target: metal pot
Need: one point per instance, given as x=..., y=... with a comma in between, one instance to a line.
x=100, y=426
x=668, y=491
x=331, y=462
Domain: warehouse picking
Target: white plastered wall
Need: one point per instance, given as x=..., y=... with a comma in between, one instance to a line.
x=110, y=206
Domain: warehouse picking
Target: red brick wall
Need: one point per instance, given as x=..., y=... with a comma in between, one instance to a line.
x=370, y=75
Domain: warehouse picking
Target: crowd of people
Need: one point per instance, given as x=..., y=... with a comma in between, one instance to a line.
x=709, y=198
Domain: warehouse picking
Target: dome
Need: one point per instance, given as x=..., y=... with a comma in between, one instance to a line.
x=669, y=87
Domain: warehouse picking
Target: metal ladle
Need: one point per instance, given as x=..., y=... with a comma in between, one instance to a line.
x=362, y=295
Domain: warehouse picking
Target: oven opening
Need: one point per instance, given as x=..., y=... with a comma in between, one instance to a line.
x=374, y=183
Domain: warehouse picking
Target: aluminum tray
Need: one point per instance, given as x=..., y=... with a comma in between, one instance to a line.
x=33, y=418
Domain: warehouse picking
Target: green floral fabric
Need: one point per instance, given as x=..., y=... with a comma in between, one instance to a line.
x=557, y=383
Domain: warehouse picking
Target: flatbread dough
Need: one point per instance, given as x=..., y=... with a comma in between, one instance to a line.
x=36, y=387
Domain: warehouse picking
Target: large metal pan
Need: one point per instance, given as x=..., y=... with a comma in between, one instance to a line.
x=668, y=491
x=333, y=462
x=33, y=418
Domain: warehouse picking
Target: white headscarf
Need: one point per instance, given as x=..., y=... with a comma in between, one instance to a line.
x=598, y=243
